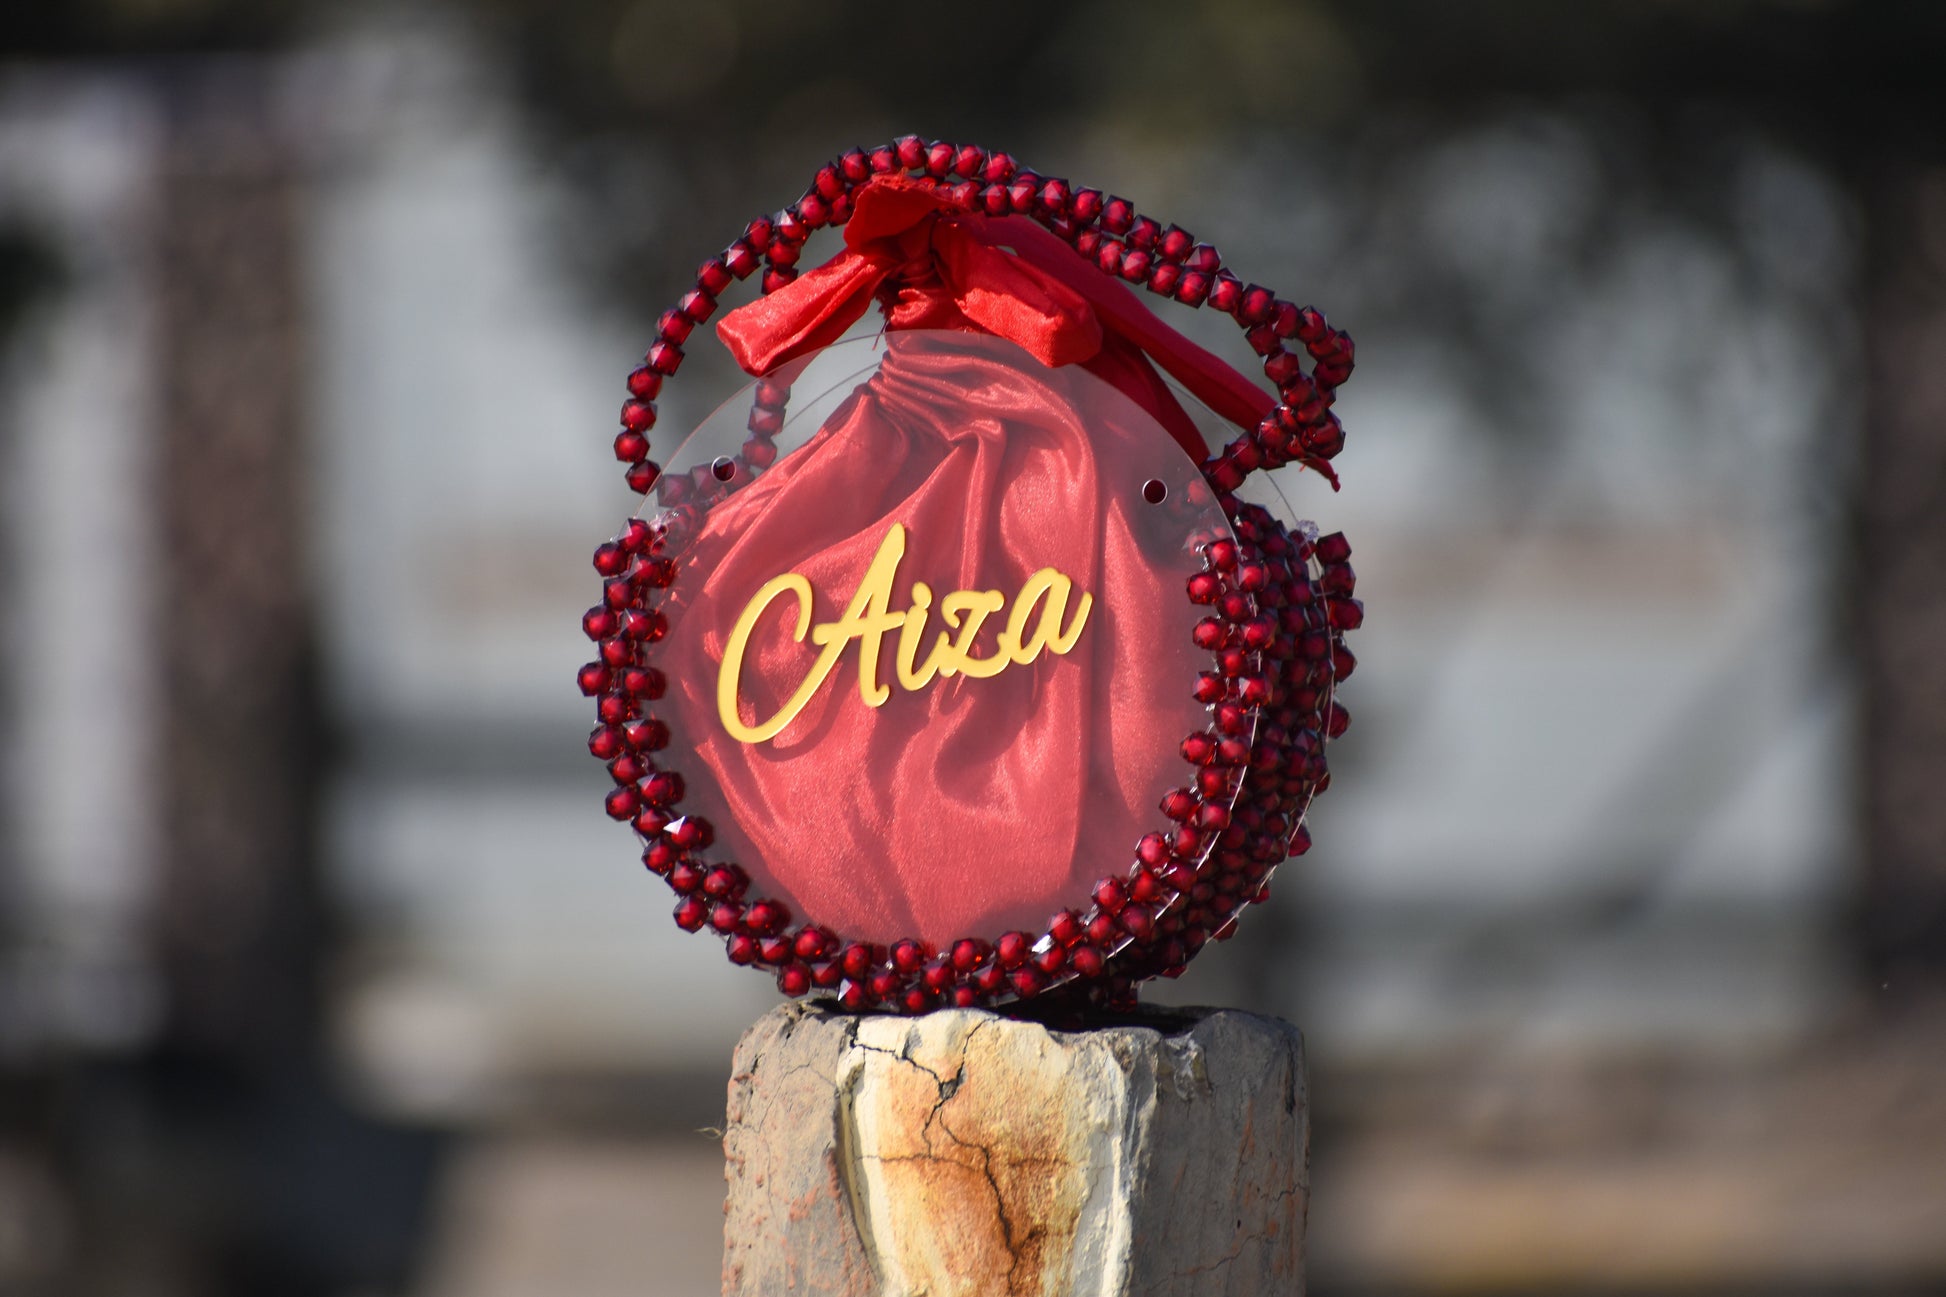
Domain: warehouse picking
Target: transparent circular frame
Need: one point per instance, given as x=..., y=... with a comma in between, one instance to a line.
x=1011, y=469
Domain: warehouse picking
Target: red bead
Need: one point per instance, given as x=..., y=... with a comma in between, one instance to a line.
x=908, y=956
x=1085, y=207
x=1210, y=633
x=1065, y=927
x=813, y=211
x=1110, y=894
x=692, y=833
x=969, y=161
x=1108, y=256
x=795, y=980
x=713, y=276
x=665, y=357
x=1175, y=243
x=884, y=160
x=1338, y=721
x=599, y=622
x=1144, y=887
x=1209, y=688
x=686, y=877
x=644, y=624
x=664, y=788
x=1333, y=548
x=647, y=735
x=631, y=447
x=1199, y=749
x=741, y=258
x=1137, y=922
x=1153, y=849
x=911, y=152
x=1282, y=368
x=1013, y=949
x=691, y=913
x=613, y=709
x=642, y=476
x=968, y=954
x=777, y=277
x=1205, y=258
x=1028, y=982
x=940, y=157
x=767, y=916
x=1117, y=215
x=1347, y=614
x=856, y=961
x=1055, y=196
x=592, y=678
x=938, y=975
x=1193, y=288
x=1164, y=278
x=829, y=183
x=1226, y=293
x=636, y=536
x=725, y=883
x=991, y=979
x=1136, y=264
x=620, y=803
x=617, y=652
x=999, y=169
x=725, y=916
x=1179, y=804
x=696, y=305
x=1052, y=960
x=1103, y=932
x=673, y=326
x=965, y=997
x=1143, y=234
x=644, y=382
x=1256, y=304
x=856, y=165
x=1087, y=961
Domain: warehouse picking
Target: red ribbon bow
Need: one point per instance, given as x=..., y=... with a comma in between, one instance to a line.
x=937, y=265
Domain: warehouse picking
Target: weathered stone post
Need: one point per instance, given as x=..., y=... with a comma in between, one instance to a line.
x=967, y=1153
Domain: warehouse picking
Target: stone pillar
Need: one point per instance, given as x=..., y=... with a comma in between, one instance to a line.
x=966, y=1153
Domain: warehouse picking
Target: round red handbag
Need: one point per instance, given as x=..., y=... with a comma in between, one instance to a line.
x=945, y=666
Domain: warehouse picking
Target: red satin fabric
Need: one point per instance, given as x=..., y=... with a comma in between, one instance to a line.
x=975, y=805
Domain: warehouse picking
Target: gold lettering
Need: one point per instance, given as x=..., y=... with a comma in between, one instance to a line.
x=976, y=606
x=1042, y=603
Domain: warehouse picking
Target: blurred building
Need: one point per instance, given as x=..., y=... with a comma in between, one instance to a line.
x=1619, y=953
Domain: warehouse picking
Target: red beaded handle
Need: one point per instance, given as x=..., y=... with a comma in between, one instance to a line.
x=1275, y=631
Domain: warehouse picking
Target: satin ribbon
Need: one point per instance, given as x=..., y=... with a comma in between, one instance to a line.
x=932, y=264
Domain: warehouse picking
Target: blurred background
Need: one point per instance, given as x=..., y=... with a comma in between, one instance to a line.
x=1622, y=955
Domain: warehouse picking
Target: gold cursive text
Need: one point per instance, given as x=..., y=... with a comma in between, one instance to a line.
x=1034, y=624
